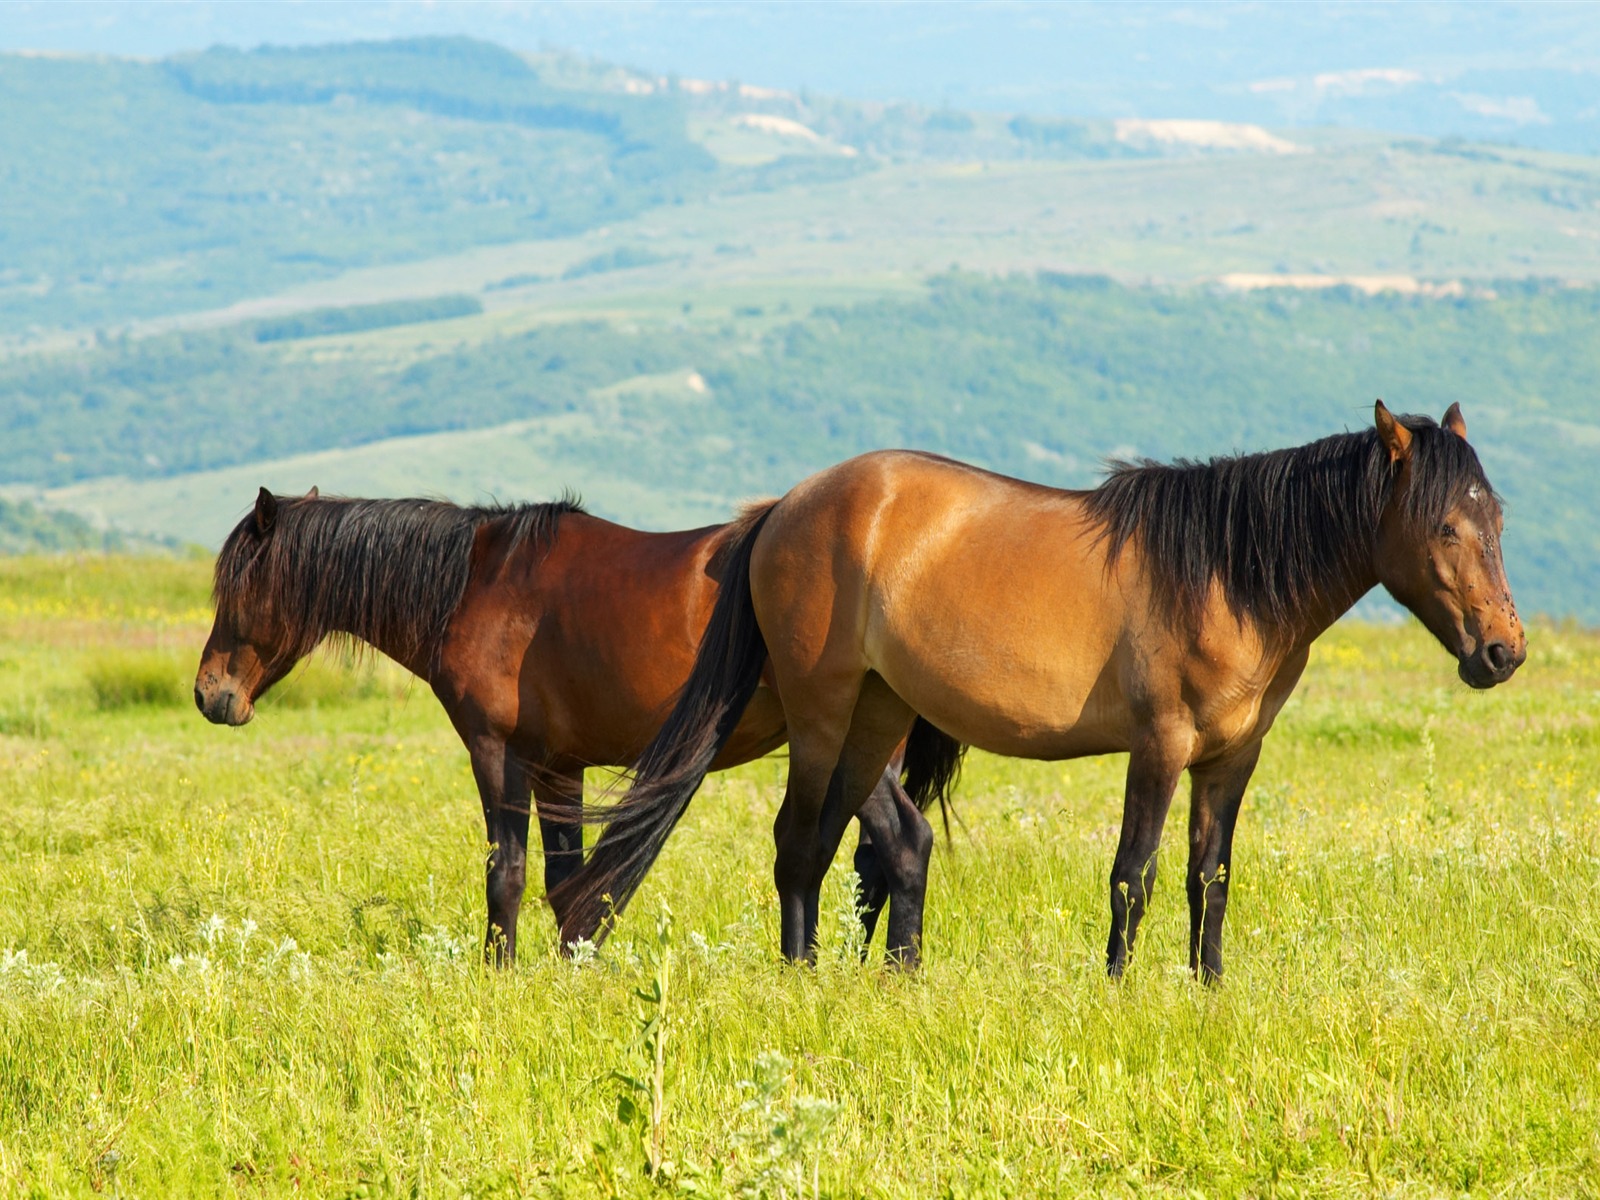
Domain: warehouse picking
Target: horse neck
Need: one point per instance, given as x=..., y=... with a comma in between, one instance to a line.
x=419, y=660
x=366, y=611
x=1320, y=616
x=1335, y=598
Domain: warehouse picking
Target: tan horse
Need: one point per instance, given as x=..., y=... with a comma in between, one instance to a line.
x=1167, y=613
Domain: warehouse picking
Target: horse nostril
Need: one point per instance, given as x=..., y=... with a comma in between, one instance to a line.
x=1498, y=654
x=199, y=699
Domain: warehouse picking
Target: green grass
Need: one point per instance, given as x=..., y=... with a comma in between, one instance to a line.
x=251, y=957
x=137, y=679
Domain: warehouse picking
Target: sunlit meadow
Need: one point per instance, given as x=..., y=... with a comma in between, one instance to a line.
x=246, y=962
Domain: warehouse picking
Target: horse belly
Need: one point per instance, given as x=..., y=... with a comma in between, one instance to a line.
x=1009, y=694
x=1004, y=632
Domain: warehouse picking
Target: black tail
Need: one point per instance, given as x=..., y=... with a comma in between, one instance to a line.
x=932, y=767
x=727, y=671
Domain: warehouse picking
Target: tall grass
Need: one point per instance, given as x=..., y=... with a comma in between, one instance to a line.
x=246, y=962
x=133, y=679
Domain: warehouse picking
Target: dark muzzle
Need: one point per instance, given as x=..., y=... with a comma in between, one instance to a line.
x=1495, y=662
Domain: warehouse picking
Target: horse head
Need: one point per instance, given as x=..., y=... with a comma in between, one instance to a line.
x=252, y=646
x=1438, y=546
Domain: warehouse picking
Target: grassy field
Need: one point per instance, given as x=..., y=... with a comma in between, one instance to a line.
x=246, y=962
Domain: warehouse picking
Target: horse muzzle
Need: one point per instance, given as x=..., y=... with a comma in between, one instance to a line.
x=225, y=706
x=1493, y=663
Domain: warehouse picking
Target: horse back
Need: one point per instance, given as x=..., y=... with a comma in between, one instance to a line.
x=991, y=606
x=575, y=648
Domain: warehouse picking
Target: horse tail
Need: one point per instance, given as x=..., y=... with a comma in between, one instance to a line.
x=932, y=767
x=726, y=673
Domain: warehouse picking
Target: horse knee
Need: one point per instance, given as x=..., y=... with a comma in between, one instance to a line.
x=1134, y=879
x=506, y=882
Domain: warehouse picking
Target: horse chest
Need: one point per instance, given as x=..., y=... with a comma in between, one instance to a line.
x=1237, y=707
x=1221, y=727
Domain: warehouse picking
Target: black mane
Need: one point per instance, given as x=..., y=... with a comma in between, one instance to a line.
x=390, y=572
x=1281, y=530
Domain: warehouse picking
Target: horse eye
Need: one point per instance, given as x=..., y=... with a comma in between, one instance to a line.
x=1448, y=532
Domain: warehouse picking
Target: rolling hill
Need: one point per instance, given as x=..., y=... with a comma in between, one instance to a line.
x=140, y=188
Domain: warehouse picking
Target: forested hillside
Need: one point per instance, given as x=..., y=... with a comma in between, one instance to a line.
x=273, y=167
x=1036, y=376
x=27, y=529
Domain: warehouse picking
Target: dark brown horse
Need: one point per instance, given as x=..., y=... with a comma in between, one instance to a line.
x=555, y=641
x=1167, y=613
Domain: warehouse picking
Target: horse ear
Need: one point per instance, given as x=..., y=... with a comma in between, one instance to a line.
x=313, y=493
x=266, y=511
x=1455, y=422
x=1395, y=437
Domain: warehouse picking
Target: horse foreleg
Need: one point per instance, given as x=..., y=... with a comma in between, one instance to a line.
x=503, y=788
x=897, y=841
x=1153, y=769
x=1217, y=791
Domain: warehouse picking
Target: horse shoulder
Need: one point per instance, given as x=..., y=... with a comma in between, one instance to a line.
x=484, y=665
x=1239, y=679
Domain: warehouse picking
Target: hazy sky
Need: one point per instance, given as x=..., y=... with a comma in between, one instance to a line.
x=1091, y=58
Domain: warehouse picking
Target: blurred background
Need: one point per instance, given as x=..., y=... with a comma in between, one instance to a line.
x=676, y=255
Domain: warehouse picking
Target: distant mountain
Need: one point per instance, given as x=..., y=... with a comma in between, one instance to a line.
x=1523, y=73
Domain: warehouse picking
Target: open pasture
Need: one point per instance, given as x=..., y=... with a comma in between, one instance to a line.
x=246, y=962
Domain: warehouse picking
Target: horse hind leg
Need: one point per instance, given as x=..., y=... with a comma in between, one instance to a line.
x=899, y=842
x=797, y=839
x=562, y=839
x=832, y=771
x=872, y=877
x=872, y=881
